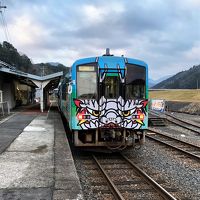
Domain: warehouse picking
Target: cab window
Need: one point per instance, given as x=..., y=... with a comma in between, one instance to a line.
x=135, y=82
x=86, y=82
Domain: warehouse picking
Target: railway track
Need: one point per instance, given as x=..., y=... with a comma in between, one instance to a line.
x=180, y=122
x=186, y=148
x=126, y=180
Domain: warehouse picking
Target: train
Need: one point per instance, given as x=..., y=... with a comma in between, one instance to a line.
x=104, y=100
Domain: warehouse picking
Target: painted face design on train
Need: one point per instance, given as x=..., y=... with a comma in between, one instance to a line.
x=110, y=113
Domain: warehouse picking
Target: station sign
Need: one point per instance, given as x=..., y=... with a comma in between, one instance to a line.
x=157, y=105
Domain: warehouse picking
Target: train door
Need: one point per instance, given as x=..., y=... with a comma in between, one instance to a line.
x=111, y=99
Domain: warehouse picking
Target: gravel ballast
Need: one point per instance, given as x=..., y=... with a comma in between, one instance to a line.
x=170, y=167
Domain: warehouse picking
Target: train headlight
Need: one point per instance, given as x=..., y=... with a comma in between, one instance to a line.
x=80, y=116
x=138, y=117
x=141, y=116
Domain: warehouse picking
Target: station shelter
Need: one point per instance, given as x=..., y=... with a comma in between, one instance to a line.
x=19, y=88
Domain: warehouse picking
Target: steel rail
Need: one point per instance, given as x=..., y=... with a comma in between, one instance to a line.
x=189, y=123
x=154, y=131
x=164, y=193
x=114, y=189
x=183, y=126
x=177, y=148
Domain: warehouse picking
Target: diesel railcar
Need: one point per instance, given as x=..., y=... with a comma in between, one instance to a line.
x=104, y=100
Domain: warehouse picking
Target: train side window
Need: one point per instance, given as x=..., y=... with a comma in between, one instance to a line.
x=64, y=86
x=69, y=88
x=87, y=84
x=135, y=82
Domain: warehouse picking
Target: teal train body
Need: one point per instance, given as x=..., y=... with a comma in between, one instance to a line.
x=105, y=102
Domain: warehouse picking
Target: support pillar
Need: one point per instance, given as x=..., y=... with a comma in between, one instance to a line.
x=41, y=85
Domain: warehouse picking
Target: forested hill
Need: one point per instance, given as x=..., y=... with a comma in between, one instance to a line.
x=43, y=69
x=189, y=79
x=10, y=55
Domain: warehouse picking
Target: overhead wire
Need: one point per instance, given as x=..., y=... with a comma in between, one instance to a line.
x=4, y=23
x=4, y=26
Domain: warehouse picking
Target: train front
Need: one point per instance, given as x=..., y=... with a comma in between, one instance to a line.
x=109, y=102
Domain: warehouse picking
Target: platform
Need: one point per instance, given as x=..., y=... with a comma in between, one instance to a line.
x=35, y=158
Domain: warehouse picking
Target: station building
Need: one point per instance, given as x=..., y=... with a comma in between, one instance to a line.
x=19, y=88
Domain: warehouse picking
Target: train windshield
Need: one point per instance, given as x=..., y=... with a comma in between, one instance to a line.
x=86, y=82
x=135, y=82
x=111, y=87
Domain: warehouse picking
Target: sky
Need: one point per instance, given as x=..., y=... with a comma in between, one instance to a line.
x=163, y=33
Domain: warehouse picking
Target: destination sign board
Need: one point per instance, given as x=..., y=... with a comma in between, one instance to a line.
x=158, y=105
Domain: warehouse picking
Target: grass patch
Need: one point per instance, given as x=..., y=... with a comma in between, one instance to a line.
x=192, y=95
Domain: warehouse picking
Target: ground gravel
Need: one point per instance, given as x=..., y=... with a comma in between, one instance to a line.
x=181, y=134
x=89, y=190
x=175, y=171
x=171, y=168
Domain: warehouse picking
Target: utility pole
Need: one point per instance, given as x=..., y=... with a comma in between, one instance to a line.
x=197, y=84
x=4, y=21
x=2, y=7
x=42, y=70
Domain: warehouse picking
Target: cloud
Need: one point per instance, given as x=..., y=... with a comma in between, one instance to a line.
x=26, y=31
x=165, y=34
x=193, y=54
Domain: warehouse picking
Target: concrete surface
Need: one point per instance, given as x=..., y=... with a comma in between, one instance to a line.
x=38, y=164
x=11, y=128
x=67, y=184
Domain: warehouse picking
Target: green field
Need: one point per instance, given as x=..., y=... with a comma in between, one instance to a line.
x=192, y=95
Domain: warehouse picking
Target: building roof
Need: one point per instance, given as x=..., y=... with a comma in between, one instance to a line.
x=4, y=67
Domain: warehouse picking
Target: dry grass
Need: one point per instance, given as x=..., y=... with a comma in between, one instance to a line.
x=176, y=95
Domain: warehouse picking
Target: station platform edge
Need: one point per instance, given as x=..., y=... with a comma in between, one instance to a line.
x=35, y=158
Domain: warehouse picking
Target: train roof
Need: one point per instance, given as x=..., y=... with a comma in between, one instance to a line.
x=110, y=59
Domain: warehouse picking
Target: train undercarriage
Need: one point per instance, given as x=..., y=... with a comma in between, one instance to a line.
x=113, y=139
